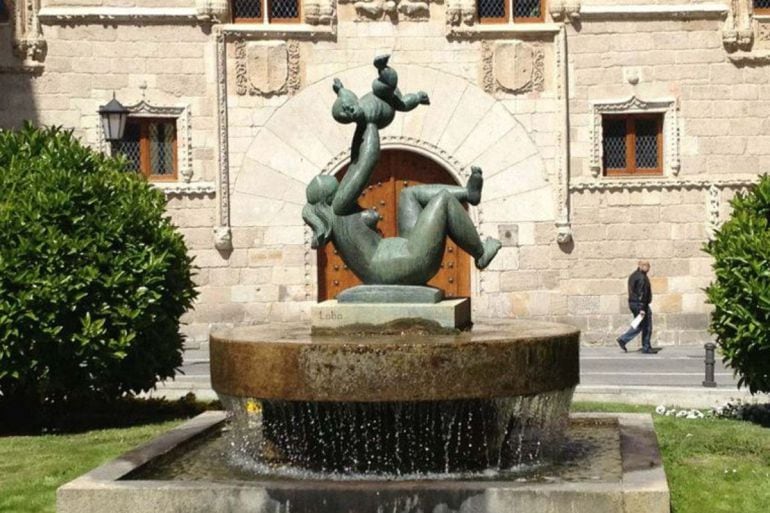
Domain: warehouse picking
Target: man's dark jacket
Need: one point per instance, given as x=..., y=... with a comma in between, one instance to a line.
x=639, y=289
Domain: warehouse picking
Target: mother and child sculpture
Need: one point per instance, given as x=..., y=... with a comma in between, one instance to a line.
x=426, y=213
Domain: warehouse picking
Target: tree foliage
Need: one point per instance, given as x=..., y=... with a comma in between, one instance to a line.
x=93, y=277
x=740, y=292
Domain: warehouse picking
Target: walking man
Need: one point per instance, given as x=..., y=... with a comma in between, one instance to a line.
x=639, y=299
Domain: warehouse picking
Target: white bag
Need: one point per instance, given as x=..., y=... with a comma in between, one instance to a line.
x=637, y=320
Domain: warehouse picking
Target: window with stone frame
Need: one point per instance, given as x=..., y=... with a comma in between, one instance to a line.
x=505, y=11
x=762, y=6
x=265, y=11
x=632, y=144
x=150, y=146
x=5, y=14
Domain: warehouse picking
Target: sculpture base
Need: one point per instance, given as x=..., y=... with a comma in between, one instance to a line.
x=390, y=294
x=447, y=314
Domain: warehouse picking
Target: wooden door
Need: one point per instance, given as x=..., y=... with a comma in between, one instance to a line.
x=395, y=170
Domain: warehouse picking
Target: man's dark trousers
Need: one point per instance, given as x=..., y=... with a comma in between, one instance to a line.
x=645, y=327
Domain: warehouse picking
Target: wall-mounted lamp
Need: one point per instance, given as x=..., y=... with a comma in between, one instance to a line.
x=114, y=116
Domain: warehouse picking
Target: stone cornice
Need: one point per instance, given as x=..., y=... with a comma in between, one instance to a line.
x=615, y=184
x=654, y=11
x=186, y=189
x=278, y=30
x=514, y=30
x=750, y=58
x=107, y=15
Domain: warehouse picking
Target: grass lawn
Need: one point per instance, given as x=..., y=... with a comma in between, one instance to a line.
x=33, y=467
x=712, y=465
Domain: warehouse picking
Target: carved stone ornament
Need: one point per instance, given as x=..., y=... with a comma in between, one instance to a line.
x=27, y=36
x=213, y=10
x=563, y=232
x=518, y=67
x=668, y=107
x=738, y=30
x=222, y=233
x=663, y=184
x=564, y=10
x=712, y=209
x=460, y=12
x=378, y=10
x=319, y=12
x=266, y=68
x=414, y=10
x=562, y=157
x=514, y=68
x=223, y=238
x=487, y=70
x=763, y=34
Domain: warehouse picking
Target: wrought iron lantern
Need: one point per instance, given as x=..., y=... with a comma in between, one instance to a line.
x=114, y=116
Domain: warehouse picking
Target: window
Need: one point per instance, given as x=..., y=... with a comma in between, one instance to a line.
x=632, y=144
x=149, y=144
x=762, y=6
x=499, y=11
x=253, y=11
x=4, y=11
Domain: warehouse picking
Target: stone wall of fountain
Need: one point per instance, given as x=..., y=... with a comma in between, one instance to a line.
x=490, y=399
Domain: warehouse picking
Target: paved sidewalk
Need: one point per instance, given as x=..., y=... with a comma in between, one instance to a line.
x=673, y=376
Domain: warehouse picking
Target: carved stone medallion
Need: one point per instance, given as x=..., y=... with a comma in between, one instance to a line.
x=266, y=68
x=518, y=67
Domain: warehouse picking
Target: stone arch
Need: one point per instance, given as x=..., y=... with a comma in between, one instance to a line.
x=463, y=126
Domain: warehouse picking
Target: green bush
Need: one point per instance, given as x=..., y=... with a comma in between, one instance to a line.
x=93, y=277
x=741, y=291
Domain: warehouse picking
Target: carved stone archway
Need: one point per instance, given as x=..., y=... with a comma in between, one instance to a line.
x=463, y=126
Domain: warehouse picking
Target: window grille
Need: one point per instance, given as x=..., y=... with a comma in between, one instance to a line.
x=278, y=11
x=129, y=146
x=614, y=143
x=247, y=10
x=647, y=144
x=527, y=10
x=493, y=11
x=498, y=11
x=762, y=6
x=632, y=144
x=284, y=9
x=161, y=136
x=149, y=145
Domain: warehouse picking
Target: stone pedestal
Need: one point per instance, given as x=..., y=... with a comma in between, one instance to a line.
x=331, y=314
x=390, y=294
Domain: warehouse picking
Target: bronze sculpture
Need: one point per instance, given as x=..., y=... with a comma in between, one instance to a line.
x=426, y=213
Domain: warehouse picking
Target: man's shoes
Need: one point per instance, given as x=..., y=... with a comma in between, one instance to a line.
x=621, y=344
x=648, y=351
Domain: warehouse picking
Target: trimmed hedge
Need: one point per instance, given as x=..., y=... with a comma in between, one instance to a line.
x=93, y=277
x=741, y=291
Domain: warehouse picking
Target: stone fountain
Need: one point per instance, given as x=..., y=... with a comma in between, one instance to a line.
x=392, y=399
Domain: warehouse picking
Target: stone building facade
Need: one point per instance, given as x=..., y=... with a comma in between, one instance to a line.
x=608, y=131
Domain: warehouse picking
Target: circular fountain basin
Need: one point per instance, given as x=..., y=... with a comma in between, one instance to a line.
x=495, y=359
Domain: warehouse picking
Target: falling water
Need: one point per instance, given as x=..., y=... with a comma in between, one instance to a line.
x=401, y=438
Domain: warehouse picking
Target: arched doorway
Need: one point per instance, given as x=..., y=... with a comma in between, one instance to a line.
x=395, y=170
